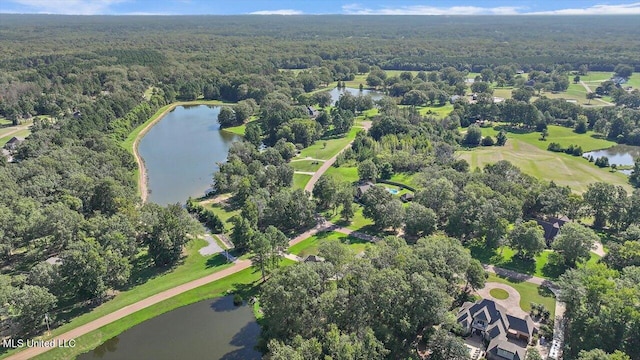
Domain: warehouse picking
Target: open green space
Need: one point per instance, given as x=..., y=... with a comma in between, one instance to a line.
x=404, y=178
x=310, y=245
x=147, y=280
x=357, y=223
x=5, y=122
x=343, y=173
x=505, y=257
x=326, y=148
x=437, y=111
x=224, y=211
x=300, y=180
x=504, y=93
x=238, y=130
x=306, y=165
x=529, y=293
x=499, y=294
x=21, y=133
x=529, y=153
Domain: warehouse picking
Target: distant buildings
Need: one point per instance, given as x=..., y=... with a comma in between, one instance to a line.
x=551, y=227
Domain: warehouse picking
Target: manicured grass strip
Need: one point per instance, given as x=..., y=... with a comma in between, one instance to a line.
x=499, y=294
x=306, y=165
x=529, y=293
x=326, y=148
x=300, y=180
x=238, y=130
x=151, y=281
x=240, y=280
x=310, y=245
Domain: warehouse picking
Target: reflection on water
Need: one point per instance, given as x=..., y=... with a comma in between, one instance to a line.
x=619, y=154
x=211, y=329
x=335, y=93
x=181, y=153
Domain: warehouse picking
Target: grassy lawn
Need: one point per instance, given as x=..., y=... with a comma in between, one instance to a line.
x=358, y=222
x=148, y=281
x=505, y=258
x=326, y=149
x=300, y=180
x=22, y=133
x=499, y=293
x=437, y=111
x=238, y=130
x=529, y=293
x=224, y=212
x=529, y=153
x=404, y=178
x=310, y=246
x=504, y=93
x=306, y=165
x=344, y=173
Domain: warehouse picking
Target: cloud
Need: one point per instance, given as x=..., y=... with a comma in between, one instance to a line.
x=357, y=9
x=622, y=9
x=70, y=7
x=603, y=9
x=277, y=12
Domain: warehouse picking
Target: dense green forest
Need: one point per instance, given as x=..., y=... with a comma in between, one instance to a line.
x=70, y=193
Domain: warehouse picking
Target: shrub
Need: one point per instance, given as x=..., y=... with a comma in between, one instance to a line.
x=487, y=141
x=555, y=147
x=237, y=300
x=602, y=162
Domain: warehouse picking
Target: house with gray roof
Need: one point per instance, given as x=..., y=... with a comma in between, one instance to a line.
x=506, y=334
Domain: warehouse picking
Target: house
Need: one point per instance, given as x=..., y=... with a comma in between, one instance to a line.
x=363, y=188
x=312, y=112
x=13, y=143
x=519, y=72
x=506, y=334
x=313, y=258
x=551, y=227
x=407, y=197
x=530, y=83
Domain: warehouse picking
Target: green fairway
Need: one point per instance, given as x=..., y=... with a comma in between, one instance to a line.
x=344, y=173
x=306, y=165
x=529, y=293
x=310, y=245
x=326, y=149
x=300, y=180
x=529, y=153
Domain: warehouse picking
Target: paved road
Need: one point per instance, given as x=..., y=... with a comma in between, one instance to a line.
x=128, y=310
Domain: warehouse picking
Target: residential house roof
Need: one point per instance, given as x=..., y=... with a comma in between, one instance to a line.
x=501, y=342
x=313, y=258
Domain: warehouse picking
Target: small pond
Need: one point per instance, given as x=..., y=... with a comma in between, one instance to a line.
x=619, y=154
x=180, y=153
x=210, y=329
x=335, y=93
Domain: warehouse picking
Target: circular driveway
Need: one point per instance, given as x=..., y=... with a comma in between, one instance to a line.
x=512, y=303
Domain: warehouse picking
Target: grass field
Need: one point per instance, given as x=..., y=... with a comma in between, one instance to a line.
x=358, y=222
x=20, y=133
x=320, y=150
x=300, y=180
x=344, y=173
x=437, y=111
x=224, y=212
x=306, y=165
x=238, y=130
x=529, y=293
x=529, y=153
x=310, y=246
x=505, y=258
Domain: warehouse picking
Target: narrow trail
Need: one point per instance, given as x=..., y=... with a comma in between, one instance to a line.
x=589, y=91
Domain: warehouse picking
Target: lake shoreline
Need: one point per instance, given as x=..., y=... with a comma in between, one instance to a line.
x=142, y=179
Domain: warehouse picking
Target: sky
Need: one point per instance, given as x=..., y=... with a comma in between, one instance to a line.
x=309, y=7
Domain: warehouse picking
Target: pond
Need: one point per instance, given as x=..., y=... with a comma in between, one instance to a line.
x=619, y=154
x=336, y=92
x=210, y=329
x=180, y=153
